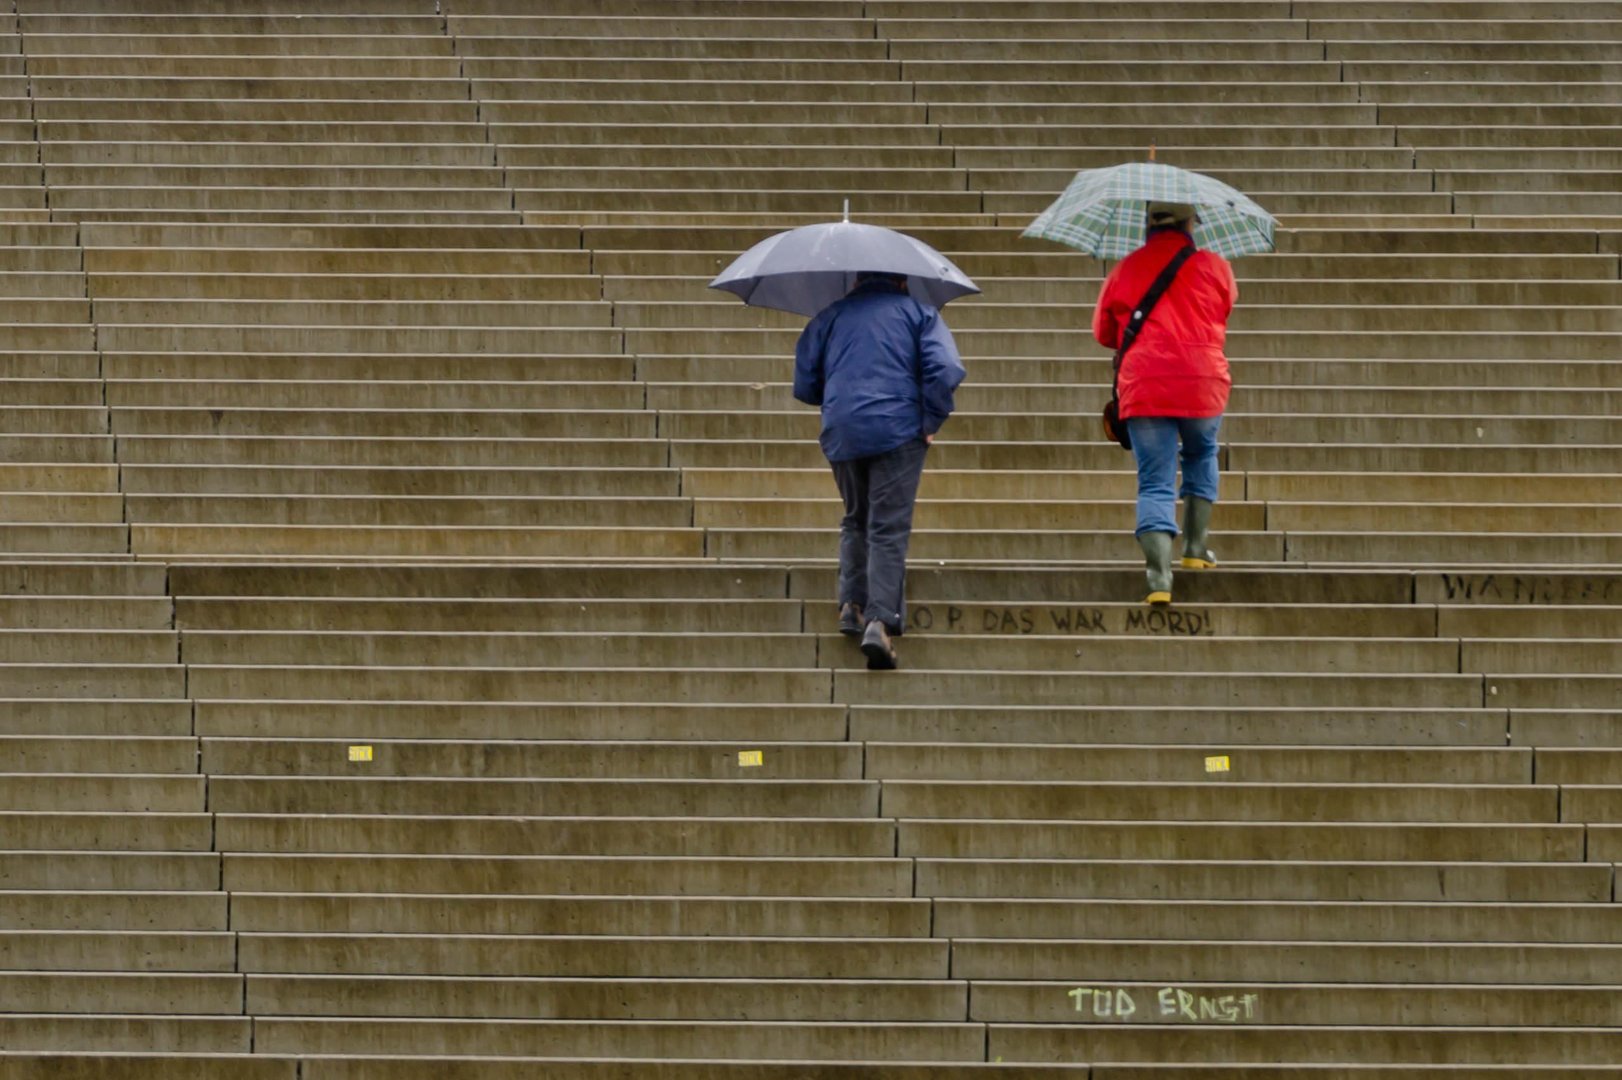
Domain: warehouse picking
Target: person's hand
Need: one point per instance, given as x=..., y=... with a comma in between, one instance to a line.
x=929, y=440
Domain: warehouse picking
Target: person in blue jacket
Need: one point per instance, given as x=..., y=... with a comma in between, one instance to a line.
x=883, y=367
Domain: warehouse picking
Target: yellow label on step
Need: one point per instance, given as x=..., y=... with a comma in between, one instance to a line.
x=1218, y=764
x=360, y=753
x=751, y=758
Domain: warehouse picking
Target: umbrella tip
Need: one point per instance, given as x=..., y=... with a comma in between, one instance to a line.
x=1151, y=150
x=847, y=209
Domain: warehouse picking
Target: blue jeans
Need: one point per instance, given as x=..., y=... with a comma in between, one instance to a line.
x=879, y=492
x=1154, y=444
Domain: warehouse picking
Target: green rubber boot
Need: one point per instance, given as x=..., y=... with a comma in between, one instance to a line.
x=1196, y=530
x=1157, y=557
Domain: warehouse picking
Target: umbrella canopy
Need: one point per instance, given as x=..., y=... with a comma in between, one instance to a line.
x=806, y=269
x=1102, y=211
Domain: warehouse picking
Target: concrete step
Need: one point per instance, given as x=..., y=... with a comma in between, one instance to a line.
x=35, y=1066
x=599, y=156
x=446, y=87
x=772, y=839
x=613, y=28
x=1076, y=688
x=1002, y=762
x=89, y=646
x=1415, y=548
x=593, y=340
x=407, y=542
x=947, y=91
x=551, y=399
x=1491, y=962
x=1240, y=840
x=1456, y=458
x=1131, y=42
x=1423, y=1006
x=129, y=1034
x=123, y=992
x=628, y=87
x=100, y=754
x=603, y=580
x=1465, y=1046
x=655, y=798
x=143, y=853
x=303, y=450
x=110, y=911
x=937, y=483
x=1457, y=517
x=163, y=793
x=941, y=514
x=1217, y=726
x=398, y=287
x=134, y=719
x=316, y=236
x=960, y=1042
x=94, y=680
x=1038, y=545
x=1274, y=922
x=589, y=876
x=529, y=760
x=1556, y=727
x=1265, y=880
x=157, y=43
x=490, y=615
x=114, y=149
x=911, y=1000
x=118, y=950
x=1563, y=691
x=661, y=917
x=616, y=415
x=398, y=480
x=1506, y=489
x=374, y=367
x=1228, y=801
x=392, y=510
x=377, y=720
x=107, y=613
x=486, y=69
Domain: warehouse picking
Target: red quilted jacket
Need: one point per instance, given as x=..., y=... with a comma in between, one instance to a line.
x=1176, y=366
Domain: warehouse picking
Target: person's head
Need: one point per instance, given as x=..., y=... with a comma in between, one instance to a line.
x=1166, y=215
x=879, y=279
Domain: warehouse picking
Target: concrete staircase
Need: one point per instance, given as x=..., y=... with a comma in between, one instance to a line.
x=419, y=656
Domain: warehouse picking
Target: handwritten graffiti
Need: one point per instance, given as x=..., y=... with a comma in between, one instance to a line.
x=1531, y=589
x=1173, y=1004
x=1091, y=621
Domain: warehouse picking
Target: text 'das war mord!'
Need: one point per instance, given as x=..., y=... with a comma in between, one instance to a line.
x=1050, y=620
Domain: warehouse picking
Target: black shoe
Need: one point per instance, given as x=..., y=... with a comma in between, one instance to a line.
x=850, y=620
x=876, y=645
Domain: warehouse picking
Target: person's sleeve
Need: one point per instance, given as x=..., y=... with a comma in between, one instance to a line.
x=808, y=357
x=941, y=368
x=1231, y=285
x=1106, y=328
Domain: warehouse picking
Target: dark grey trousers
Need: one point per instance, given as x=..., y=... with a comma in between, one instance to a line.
x=879, y=492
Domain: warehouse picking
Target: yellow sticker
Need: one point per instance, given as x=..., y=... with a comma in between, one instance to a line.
x=360, y=753
x=1218, y=764
x=749, y=759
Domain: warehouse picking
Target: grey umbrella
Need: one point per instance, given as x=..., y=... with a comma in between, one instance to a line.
x=806, y=269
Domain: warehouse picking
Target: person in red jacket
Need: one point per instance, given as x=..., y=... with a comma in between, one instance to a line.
x=1173, y=386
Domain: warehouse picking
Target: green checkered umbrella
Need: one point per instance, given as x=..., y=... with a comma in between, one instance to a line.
x=1102, y=211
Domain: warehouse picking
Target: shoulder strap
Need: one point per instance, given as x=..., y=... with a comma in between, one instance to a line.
x=1140, y=314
